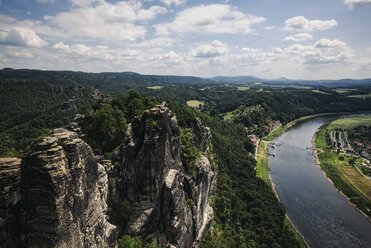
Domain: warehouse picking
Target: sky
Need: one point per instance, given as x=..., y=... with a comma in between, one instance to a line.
x=296, y=39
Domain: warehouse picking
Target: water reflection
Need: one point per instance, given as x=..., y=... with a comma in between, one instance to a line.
x=320, y=212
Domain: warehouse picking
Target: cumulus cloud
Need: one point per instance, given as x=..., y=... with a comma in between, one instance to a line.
x=156, y=42
x=213, y=18
x=357, y=3
x=298, y=37
x=170, y=57
x=106, y=21
x=214, y=49
x=323, y=51
x=254, y=56
x=302, y=24
x=21, y=37
x=326, y=43
x=175, y=2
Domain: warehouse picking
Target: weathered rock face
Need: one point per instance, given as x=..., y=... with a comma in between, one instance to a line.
x=64, y=191
x=60, y=194
x=167, y=203
x=10, y=174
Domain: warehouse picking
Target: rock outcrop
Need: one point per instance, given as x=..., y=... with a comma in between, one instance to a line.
x=10, y=177
x=63, y=195
x=167, y=203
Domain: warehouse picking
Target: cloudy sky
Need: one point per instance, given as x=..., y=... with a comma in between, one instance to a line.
x=307, y=39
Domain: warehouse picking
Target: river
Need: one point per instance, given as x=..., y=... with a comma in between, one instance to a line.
x=317, y=209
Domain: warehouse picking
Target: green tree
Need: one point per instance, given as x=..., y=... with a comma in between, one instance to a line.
x=128, y=241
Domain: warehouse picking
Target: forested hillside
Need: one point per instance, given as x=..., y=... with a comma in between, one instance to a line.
x=29, y=108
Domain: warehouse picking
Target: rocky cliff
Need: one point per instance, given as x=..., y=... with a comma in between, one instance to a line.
x=10, y=177
x=62, y=195
x=167, y=203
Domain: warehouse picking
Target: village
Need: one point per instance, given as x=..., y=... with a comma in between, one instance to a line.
x=359, y=149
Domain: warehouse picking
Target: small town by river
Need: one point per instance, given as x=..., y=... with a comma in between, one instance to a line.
x=318, y=210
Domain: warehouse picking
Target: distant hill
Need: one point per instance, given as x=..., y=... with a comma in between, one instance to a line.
x=284, y=81
x=237, y=79
x=110, y=82
x=121, y=82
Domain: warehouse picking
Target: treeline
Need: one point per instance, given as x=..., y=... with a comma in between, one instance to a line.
x=266, y=103
x=246, y=211
x=31, y=108
x=106, y=122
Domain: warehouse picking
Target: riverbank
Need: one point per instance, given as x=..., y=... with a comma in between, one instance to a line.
x=340, y=174
x=281, y=129
x=262, y=172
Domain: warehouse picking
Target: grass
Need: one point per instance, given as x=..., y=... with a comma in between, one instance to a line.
x=262, y=166
x=195, y=103
x=321, y=92
x=361, y=96
x=350, y=122
x=346, y=178
x=243, y=88
x=228, y=116
x=156, y=87
x=343, y=90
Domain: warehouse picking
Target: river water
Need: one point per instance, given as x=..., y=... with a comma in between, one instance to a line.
x=317, y=209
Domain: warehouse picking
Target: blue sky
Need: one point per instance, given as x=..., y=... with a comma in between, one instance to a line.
x=306, y=39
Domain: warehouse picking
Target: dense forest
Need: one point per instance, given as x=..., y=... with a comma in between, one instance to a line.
x=31, y=108
x=246, y=211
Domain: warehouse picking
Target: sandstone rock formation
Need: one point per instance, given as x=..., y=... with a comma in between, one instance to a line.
x=167, y=203
x=10, y=177
x=64, y=191
x=61, y=195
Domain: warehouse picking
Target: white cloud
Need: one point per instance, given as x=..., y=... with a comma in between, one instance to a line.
x=156, y=42
x=20, y=55
x=168, y=58
x=214, y=49
x=213, y=18
x=88, y=52
x=254, y=56
x=298, y=37
x=323, y=51
x=175, y=2
x=302, y=24
x=21, y=37
x=357, y=3
x=326, y=43
x=114, y=22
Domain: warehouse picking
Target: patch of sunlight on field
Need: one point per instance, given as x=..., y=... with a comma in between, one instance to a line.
x=350, y=122
x=195, y=103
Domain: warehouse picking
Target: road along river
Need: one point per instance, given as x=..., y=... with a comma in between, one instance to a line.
x=317, y=209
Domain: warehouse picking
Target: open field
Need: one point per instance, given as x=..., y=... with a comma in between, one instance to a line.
x=350, y=122
x=361, y=96
x=195, y=103
x=346, y=178
x=243, y=88
x=157, y=87
x=262, y=166
x=343, y=90
x=321, y=92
